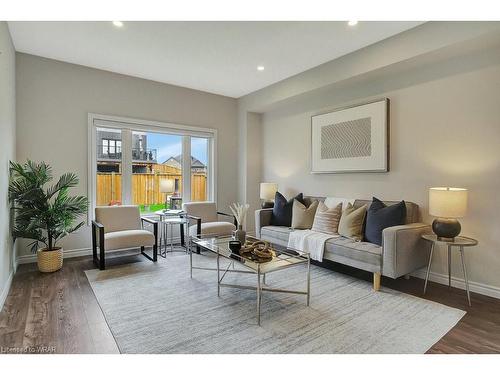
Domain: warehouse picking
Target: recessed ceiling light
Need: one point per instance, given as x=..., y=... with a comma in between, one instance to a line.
x=118, y=23
x=260, y=68
x=352, y=23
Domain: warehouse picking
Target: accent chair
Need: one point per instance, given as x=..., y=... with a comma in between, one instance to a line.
x=206, y=216
x=121, y=227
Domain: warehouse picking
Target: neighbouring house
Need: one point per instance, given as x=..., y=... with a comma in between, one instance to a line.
x=109, y=152
x=196, y=165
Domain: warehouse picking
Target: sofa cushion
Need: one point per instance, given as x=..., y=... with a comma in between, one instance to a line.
x=334, y=201
x=282, y=210
x=362, y=252
x=302, y=216
x=273, y=232
x=380, y=216
x=219, y=228
x=327, y=219
x=128, y=239
x=351, y=222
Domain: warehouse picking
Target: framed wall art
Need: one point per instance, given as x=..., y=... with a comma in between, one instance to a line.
x=352, y=139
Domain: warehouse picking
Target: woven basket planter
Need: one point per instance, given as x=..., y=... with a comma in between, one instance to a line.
x=50, y=261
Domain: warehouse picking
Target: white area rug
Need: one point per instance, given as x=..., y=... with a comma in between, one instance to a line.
x=158, y=308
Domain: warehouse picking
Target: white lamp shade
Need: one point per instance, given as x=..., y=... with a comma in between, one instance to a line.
x=268, y=190
x=447, y=202
x=167, y=186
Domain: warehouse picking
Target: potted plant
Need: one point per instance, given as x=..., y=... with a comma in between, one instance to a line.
x=44, y=214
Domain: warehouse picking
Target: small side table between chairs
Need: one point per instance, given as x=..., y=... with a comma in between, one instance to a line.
x=168, y=220
x=461, y=243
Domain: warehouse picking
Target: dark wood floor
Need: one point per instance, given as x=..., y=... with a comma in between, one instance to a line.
x=59, y=313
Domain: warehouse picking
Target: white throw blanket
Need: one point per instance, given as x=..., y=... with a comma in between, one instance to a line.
x=310, y=242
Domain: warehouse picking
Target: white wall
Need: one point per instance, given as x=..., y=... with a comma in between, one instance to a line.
x=445, y=131
x=54, y=98
x=7, y=152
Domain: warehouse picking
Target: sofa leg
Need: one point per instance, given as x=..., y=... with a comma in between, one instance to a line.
x=376, y=281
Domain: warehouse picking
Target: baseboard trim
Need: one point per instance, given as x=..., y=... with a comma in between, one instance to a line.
x=6, y=289
x=72, y=253
x=487, y=290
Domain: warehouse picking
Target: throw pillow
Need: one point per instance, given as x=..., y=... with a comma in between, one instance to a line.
x=351, y=222
x=327, y=219
x=302, y=216
x=282, y=210
x=380, y=216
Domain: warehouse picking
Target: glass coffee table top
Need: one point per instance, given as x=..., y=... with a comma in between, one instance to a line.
x=282, y=257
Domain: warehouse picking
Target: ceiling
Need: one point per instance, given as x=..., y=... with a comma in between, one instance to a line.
x=217, y=57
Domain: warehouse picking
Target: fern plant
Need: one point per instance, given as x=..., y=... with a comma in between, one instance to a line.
x=44, y=214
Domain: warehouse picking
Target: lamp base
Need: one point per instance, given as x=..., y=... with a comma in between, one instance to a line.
x=446, y=229
x=267, y=204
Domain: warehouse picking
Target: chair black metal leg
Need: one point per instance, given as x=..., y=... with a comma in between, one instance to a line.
x=155, y=253
x=102, y=264
x=94, y=244
x=183, y=243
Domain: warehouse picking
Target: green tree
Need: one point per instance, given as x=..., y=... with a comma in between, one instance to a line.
x=43, y=214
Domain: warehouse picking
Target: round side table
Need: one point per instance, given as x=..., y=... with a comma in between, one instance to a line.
x=461, y=243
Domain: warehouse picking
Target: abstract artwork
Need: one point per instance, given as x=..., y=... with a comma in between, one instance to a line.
x=353, y=139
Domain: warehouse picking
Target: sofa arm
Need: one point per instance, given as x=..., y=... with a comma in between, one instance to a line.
x=404, y=250
x=262, y=219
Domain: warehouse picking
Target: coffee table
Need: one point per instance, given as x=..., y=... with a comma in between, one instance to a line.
x=283, y=258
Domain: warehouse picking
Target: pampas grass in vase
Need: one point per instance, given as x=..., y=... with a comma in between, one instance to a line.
x=240, y=213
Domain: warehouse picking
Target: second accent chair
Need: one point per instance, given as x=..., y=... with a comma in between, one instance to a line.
x=206, y=216
x=121, y=227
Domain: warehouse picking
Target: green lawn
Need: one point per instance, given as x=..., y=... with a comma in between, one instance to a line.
x=152, y=207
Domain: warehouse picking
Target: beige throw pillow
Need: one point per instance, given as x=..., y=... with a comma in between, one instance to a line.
x=327, y=219
x=302, y=216
x=351, y=222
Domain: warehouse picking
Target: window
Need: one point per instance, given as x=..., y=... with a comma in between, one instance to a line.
x=199, y=172
x=145, y=163
x=111, y=147
x=157, y=159
x=108, y=165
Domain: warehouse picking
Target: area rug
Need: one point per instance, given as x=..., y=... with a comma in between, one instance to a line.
x=158, y=308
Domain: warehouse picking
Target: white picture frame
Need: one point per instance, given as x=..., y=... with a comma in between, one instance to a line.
x=351, y=139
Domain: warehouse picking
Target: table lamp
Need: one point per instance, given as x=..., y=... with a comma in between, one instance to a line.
x=167, y=186
x=447, y=204
x=267, y=192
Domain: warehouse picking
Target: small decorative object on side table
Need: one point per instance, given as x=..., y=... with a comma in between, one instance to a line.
x=240, y=213
x=447, y=204
x=267, y=192
x=459, y=242
x=175, y=202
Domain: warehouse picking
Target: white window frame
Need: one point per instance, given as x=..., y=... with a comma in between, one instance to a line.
x=128, y=125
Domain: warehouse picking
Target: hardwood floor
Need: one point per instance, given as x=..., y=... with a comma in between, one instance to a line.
x=59, y=313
